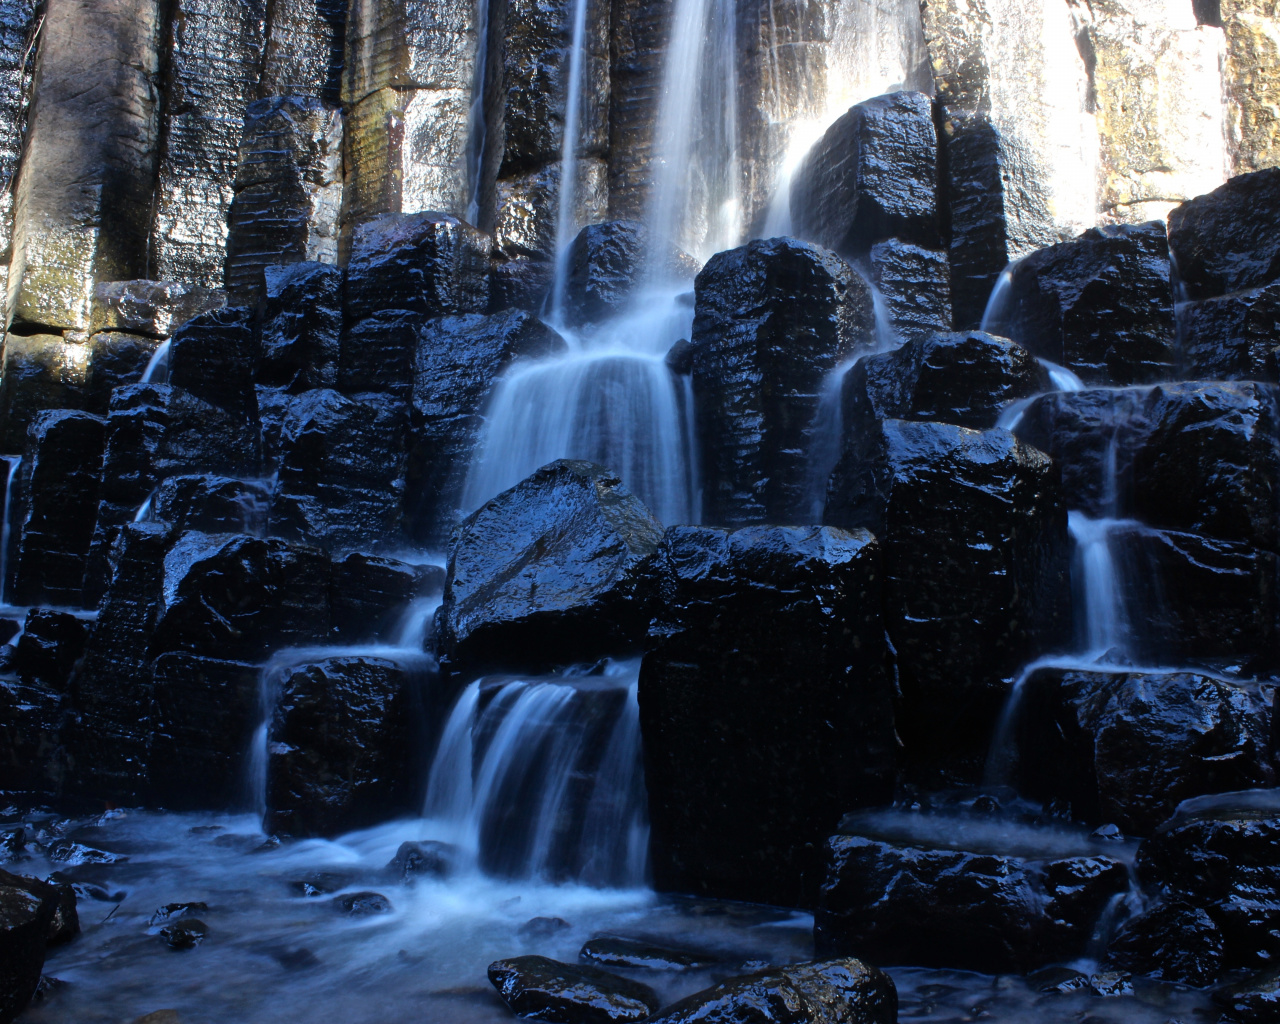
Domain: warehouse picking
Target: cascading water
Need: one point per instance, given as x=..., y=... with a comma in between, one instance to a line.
x=566, y=204
x=477, y=126
x=15, y=463
x=157, y=370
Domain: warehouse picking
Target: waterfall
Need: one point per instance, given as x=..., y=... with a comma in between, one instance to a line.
x=15, y=462
x=541, y=778
x=158, y=363
x=1102, y=621
x=566, y=221
x=477, y=127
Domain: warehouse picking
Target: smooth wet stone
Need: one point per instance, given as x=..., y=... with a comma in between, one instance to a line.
x=1171, y=940
x=975, y=559
x=425, y=859
x=24, y=925
x=777, y=310
x=362, y=904
x=617, y=951
x=214, y=357
x=1231, y=337
x=553, y=570
x=58, y=898
x=457, y=361
x=377, y=353
x=154, y=308
x=1228, y=240
x=213, y=504
x=1056, y=980
x=1100, y=305
x=607, y=264
x=341, y=747
x=538, y=928
x=186, y=933
x=171, y=912
x=301, y=321
x=962, y=378
x=804, y=731
x=544, y=989
x=843, y=991
x=1255, y=1000
x=322, y=883
x=940, y=907
x=1129, y=747
x=916, y=285
x=41, y=371
x=49, y=647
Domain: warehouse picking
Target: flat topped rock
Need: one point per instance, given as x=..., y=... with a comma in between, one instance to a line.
x=546, y=989
x=637, y=954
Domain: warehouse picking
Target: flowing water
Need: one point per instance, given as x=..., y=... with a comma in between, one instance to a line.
x=157, y=369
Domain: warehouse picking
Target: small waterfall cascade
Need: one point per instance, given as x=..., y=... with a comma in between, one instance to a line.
x=11, y=477
x=477, y=126
x=541, y=778
x=566, y=205
x=157, y=370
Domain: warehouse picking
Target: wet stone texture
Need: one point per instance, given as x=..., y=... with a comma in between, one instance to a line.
x=802, y=733
x=535, y=986
x=301, y=322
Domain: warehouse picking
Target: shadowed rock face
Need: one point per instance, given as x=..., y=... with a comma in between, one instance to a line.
x=1173, y=941
x=1217, y=250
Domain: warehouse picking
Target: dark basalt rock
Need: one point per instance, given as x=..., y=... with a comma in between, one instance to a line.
x=773, y=310
x=844, y=991
x=1253, y=1001
x=457, y=361
x=608, y=261
x=975, y=558
x=153, y=308
x=1172, y=941
x=115, y=360
x=1100, y=305
x=24, y=927
x=1231, y=337
x=916, y=286
x=551, y=571
x=965, y=378
x=1228, y=240
x=203, y=714
x=804, y=731
x=370, y=594
x=201, y=437
x=535, y=986
x=341, y=747
x=31, y=756
x=301, y=320
x=213, y=504
x=49, y=647
x=41, y=372
x=1218, y=854
x=377, y=353
x=62, y=477
x=425, y=263
x=342, y=465
x=425, y=859
x=872, y=176
x=636, y=954
x=215, y=357
x=1129, y=747
x=186, y=933
x=983, y=911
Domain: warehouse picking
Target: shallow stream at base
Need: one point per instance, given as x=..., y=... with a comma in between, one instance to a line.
x=273, y=954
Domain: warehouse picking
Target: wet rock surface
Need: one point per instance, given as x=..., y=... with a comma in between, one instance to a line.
x=1171, y=940
x=1216, y=250
x=620, y=952
x=609, y=263
x=535, y=986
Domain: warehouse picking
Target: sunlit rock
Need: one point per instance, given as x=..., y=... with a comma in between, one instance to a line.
x=916, y=285
x=1252, y=83
x=17, y=64
x=154, y=308
x=41, y=371
x=305, y=40
x=803, y=731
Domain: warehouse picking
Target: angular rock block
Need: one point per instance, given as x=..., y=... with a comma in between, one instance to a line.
x=17, y=62
x=844, y=989
x=203, y=714
x=916, y=285
x=370, y=596
x=201, y=437
x=377, y=354
x=607, y=264
x=1217, y=855
x=550, y=572
x=301, y=324
x=305, y=40
x=60, y=493
x=153, y=308
x=1100, y=305
x=1251, y=84
x=872, y=176
x=288, y=191
x=925, y=902
x=975, y=559
x=426, y=263
x=341, y=479
x=1231, y=337
x=213, y=504
x=785, y=312
x=1229, y=240
x=26, y=918
x=802, y=732
x=638, y=43
x=214, y=57
x=83, y=199
x=213, y=358
x=962, y=378
x=536, y=986
x=49, y=647
x=32, y=758
x=341, y=747
x=114, y=360
x=403, y=44
x=457, y=362
x=1172, y=941
x=41, y=371
x=1126, y=748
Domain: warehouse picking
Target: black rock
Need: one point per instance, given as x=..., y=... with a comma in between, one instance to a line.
x=1129, y=747
x=534, y=986
x=975, y=560
x=215, y=357
x=73, y=854
x=844, y=991
x=538, y=928
x=872, y=176
x=202, y=437
x=214, y=504
x=185, y=933
x=341, y=747
x=803, y=731
x=51, y=644
x=371, y=593
x=321, y=883
x=1056, y=980
x=1253, y=1001
x=785, y=312
x=679, y=358
x=1228, y=240
x=637, y=954
x=152, y=308
x=115, y=360
x=377, y=353
x=58, y=897
x=301, y=320
x=458, y=359
x=1172, y=941
x=608, y=261
x=916, y=286
x=40, y=373
x=1231, y=337
x=904, y=902
x=24, y=927
x=425, y=859
x=549, y=572
x=964, y=378
x=1100, y=305
x=362, y=904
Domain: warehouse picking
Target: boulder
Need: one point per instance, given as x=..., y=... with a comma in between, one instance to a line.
x=843, y=991
x=152, y=308
x=776, y=310
x=62, y=479
x=341, y=479
x=213, y=504
x=975, y=557
x=1231, y=337
x=50, y=645
x=872, y=176
x=962, y=378
x=24, y=927
x=1127, y=748
x=341, y=747
x=903, y=892
x=535, y=986
x=552, y=571
x=301, y=320
x=1172, y=941
x=458, y=360
x=1228, y=240
x=609, y=263
x=1100, y=305
x=426, y=859
x=803, y=731
x=916, y=285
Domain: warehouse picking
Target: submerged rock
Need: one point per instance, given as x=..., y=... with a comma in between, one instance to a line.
x=362, y=904
x=544, y=989
x=551, y=571
x=636, y=954
x=425, y=859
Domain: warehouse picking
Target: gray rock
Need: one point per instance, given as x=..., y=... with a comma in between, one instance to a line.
x=154, y=308
x=41, y=372
x=304, y=49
